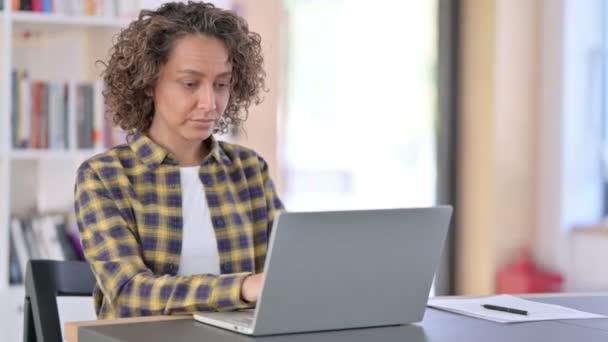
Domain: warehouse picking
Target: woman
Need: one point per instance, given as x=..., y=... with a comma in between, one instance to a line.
x=176, y=221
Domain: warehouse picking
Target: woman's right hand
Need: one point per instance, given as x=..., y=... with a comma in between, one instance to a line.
x=252, y=285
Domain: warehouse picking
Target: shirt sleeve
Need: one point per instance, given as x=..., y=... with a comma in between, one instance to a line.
x=112, y=249
x=273, y=202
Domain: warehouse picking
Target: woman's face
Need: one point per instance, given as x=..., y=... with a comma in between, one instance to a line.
x=192, y=90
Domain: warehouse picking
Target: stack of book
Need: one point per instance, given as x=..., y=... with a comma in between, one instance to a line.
x=104, y=8
x=41, y=237
x=40, y=114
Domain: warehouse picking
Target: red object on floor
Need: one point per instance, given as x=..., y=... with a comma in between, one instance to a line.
x=522, y=276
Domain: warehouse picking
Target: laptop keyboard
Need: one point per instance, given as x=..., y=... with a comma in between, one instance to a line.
x=246, y=319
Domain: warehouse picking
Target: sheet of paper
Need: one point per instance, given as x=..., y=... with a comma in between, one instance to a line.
x=536, y=311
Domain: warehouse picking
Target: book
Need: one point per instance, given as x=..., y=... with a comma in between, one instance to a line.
x=25, y=5
x=69, y=251
x=58, y=126
x=106, y=8
x=55, y=117
x=43, y=236
x=76, y=244
x=36, y=6
x=43, y=115
x=89, y=7
x=20, y=245
x=80, y=116
x=25, y=115
x=39, y=241
x=15, y=269
x=35, y=116
x=47, y=6
x=49, y=236
x=98, y=114
x=15, y=103
x=126, y=9
x=66, y=112
x=77, y=7
x=30, y=240
x=60, y=7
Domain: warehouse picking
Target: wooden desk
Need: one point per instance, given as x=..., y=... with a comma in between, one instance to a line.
x=425, y=331
x=71, y=328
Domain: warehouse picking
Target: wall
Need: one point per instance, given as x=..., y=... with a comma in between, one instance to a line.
x=498, y=129
x=573, y=97
x=476, y=165
x=261, y=128
x=517, y=113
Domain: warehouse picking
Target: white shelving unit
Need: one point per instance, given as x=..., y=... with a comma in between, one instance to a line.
x=51, y=47
x=38, y=20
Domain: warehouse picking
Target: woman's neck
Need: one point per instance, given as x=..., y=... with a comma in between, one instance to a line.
x=190, y=155
x=186, y=152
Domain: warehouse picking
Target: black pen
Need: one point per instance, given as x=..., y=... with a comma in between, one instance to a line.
x=504, y=309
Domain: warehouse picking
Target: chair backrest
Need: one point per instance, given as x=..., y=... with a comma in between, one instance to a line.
x=44, y=281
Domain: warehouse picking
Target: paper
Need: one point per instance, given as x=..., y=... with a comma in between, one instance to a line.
x=536, y=311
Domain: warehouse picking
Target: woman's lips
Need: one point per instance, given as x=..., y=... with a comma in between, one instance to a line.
x=203, y=123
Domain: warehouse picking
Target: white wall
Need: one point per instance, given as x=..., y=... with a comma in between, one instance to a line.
x=267, y=19
x=570, y=187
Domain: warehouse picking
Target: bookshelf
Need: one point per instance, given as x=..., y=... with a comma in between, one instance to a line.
x=44, y=178
x=41, y=20
x=56, y=50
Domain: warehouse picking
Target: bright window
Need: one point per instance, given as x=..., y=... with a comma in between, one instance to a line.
x=360, y=127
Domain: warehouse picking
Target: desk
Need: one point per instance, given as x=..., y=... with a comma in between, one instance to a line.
x=437, y=326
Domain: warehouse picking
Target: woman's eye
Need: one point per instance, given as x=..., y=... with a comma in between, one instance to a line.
x=189, y=84
x=222, y=85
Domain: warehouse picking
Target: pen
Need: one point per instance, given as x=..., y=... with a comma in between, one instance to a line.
x=505, y=309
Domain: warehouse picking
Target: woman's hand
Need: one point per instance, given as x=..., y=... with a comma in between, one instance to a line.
x=252, y=285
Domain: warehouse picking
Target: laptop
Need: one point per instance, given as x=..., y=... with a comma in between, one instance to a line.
x=344, y=269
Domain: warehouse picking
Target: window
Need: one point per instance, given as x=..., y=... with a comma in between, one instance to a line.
x=360, y=126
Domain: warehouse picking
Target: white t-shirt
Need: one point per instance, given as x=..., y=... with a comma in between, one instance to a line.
x=199, y=246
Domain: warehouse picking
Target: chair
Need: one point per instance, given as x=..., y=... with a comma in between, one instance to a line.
x=45, y=280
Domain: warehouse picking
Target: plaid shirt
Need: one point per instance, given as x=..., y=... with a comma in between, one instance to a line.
x=129, y=212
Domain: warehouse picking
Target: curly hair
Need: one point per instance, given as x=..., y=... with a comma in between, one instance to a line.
x=143, y=48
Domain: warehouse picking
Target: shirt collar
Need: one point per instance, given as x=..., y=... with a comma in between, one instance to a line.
x=153, y=155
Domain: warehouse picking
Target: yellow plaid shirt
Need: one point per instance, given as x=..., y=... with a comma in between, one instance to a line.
x=129, y=212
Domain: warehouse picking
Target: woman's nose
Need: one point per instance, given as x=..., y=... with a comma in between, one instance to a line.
x=206, y=98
